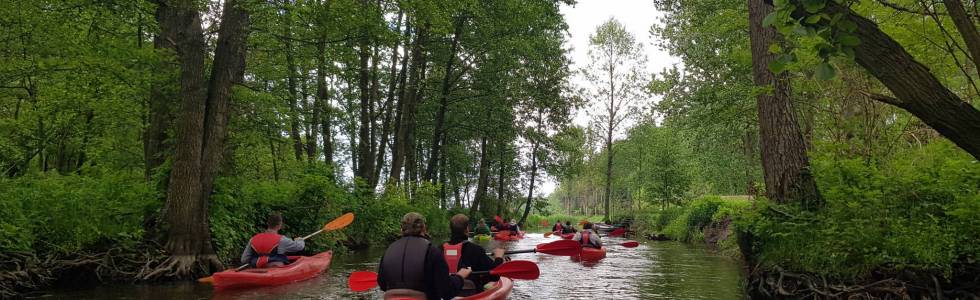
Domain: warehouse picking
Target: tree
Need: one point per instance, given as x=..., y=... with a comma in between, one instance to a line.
x=616, y=70
x=201, y=130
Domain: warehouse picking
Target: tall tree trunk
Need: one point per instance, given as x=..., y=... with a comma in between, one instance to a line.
x=784, y=162
x=501, y=169
x=440, y=131
x=291, y=82
x=394, y=79
x=404, y=152
x=364, y=157
x=322, y=110
x=201, y=130
x=484, y=177
x=534, y=167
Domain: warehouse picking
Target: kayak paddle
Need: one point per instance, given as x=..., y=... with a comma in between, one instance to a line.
x=338, y=223
x=630, y=244
x=559, y=248
x=548, y=234
x=360, y=281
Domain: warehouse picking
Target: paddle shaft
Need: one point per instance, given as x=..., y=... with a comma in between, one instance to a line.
x=312, y=234
x=520, y=251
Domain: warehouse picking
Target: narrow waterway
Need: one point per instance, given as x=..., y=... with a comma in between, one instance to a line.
x=654, y=270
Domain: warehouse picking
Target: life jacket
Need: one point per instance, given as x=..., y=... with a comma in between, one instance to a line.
x=587, y=239
x=264, y=244
x=559, y=228
x=404, y=263
x=453, y=254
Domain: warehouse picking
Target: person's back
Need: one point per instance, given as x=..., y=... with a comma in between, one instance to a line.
x=568, y=228
x=268, y=249
x=588, y=237
x=412, y=265
x=460, y=253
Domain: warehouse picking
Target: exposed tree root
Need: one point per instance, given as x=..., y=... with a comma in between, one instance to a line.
x=777, y=283
x=182, y=267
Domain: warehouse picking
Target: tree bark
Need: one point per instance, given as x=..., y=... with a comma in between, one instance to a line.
x=291, y=82
x=404, y=152
x=484, y=178
x=365, y=159
x=785, y=165
x=395, y=78
x=534, y=168
x=439, y=131
x=201, y=130
x=160, y=113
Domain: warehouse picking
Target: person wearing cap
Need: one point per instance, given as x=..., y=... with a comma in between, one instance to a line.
x=413, y=267
x=460, y=253
x=588, y=237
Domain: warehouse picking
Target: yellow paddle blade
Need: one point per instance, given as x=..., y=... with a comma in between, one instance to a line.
x=339, y=222
x=209, y=279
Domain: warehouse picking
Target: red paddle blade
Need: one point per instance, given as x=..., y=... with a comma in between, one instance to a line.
x=517, y=269
x=630, y=244
x=360, y=281
x=560, y=248
x=618, y=232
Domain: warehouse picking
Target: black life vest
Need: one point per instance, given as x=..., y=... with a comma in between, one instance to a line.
x=404, y=263
x=264, y=244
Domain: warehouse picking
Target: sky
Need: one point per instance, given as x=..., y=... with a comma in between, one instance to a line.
x=583, y=18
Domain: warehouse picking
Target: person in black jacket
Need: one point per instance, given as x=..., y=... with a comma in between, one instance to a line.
x=460, y=253
x=412, y=265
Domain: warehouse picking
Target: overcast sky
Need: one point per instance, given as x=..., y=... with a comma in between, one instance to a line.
x=583, y=18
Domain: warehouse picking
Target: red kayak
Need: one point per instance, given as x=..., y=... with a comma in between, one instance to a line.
x=504, y=235
x=305, y=267
x=565, y=236
x=591, y=254
x=500, y=290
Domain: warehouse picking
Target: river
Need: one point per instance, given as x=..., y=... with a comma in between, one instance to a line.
x=654, y=270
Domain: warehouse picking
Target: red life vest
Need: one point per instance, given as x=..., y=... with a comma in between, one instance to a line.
x=264, y=244
x=452, y=253
x=558, y=228
x=586, y=239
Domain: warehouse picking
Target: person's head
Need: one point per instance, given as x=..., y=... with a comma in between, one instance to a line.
x=513, y=221
x=413, y=223
x=588, y=225
x=459, y=225
x=568, y=223
x=274, y=221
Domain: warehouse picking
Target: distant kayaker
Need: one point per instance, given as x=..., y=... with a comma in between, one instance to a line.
x=587, y=237
x=482, y=228
x=514, y=229
x=412, y=266
x=460, y=253
x=269, y=249
x=559, y=228
x=568, y=228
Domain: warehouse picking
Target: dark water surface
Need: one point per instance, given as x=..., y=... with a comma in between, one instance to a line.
x=654, y=270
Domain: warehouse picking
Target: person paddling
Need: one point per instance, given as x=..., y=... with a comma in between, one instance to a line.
x=268, y=249
x=568, y=228
x=558, y=227
x=413, y=267
x=460, y=253
x=588, y=237
x=514, y=228
x=482, y=228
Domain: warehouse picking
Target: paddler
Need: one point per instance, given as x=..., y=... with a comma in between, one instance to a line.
x=588, y=238
x=413, y=267
x=269, y=249
x=482, y=228
x=558, y=227
x=514, y=229
x=460, y=253
x=568, y=228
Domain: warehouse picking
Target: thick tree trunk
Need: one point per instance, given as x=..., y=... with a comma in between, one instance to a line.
x=365, y=159
x=439, y=131
x=201, y=130
x=785, y=165
x=323, y=102
x=916, y=89
x=404, y=153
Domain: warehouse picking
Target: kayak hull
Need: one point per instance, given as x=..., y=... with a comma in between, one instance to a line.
x=481, y=237
x=504, y=235
x=500, y=291
x=591, y=254
x=303, y=268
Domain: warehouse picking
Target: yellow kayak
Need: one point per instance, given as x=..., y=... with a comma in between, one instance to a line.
x=481, y=237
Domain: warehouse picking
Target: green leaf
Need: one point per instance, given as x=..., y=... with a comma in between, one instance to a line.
x=825, y=71
x=775, y=49
x=846, y=26
x=813, y=19
x=849, y=40
x=768, y=21
x=814, y=6
x=777, y=66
